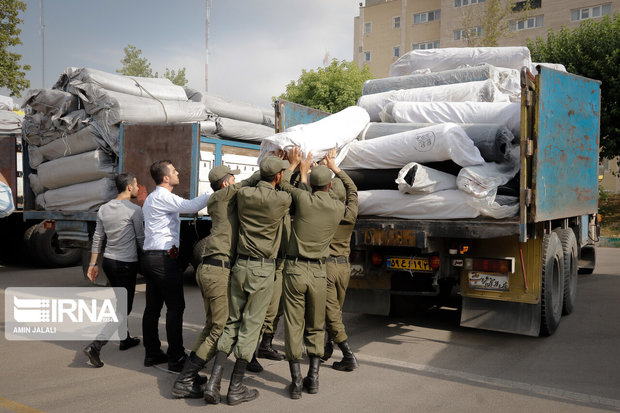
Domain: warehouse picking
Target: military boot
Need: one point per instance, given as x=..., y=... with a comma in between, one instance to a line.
x=311, y=381
x=188, y=384
x=212, y=390
x=294, y=389
x=266, y=350
x=329, y=350
x=348, y=362
x=254, y=366
x=237, y=392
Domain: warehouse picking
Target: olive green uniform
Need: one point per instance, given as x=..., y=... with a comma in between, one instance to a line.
x=274, y=311
x=317, y=216
x=221, y=244
x=261, y=211
x=338, y=268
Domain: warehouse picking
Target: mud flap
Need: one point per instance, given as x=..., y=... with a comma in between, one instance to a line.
x=504, y=316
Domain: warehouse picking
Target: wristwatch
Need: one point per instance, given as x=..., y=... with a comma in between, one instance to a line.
x=92, y=265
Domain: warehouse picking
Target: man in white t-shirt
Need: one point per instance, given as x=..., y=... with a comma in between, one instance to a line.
x=6, y=198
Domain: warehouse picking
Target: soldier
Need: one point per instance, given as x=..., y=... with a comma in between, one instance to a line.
x=338, y=273
x=317, y=216
x=213, y=274
x=260, y=211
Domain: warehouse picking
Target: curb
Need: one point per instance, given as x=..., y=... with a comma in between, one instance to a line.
x=609, y=242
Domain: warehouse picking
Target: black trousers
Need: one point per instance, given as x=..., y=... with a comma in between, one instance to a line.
x=121, y=274
x=164, y=285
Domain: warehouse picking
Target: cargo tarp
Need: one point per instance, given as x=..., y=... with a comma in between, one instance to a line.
x=334, y=131
x=113, y=107
x=154, y=88
x=75, y=169
x=435, y=143
x=7, y=103
x=54, y=103
x=87, y=196
x=503, y=113
x=238, y=129
x=482, y=91
x=492, y=140
x=415, y=178
x=507, y=80
x=10, y=122
x=82, y=141
x=448, y=58
x=228, y=108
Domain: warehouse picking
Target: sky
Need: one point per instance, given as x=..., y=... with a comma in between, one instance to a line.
x=255, y=47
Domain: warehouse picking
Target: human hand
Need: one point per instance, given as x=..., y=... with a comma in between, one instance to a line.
x=92, y=273
x=282, y=154
x=305, y=165
x=294, y=157
x=330, y=160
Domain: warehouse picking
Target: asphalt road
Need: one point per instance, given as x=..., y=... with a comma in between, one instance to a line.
x=421, y=363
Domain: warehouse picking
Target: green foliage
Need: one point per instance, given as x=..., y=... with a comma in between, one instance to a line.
x=12, y=73
x=494, y=17
x=592, y=50
x=331, y=88
x=177, y=78
x=136, y=65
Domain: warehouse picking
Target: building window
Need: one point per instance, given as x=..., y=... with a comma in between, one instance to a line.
x=367, y=28
x=459, y=3
x=396, y=22
x=590, y=12
x=531, y=23
x=367, y=56
x=427, y=16
x=396, y=51
x=521, y=5
x=425, y=45
x=462, y=34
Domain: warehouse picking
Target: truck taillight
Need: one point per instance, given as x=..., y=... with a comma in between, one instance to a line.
x=376, y=259
x=505, y=265
x=48, y=225
x=434, y=262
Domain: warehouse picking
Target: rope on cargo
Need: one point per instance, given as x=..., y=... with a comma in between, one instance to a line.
x=149, y=93
x=67, y=147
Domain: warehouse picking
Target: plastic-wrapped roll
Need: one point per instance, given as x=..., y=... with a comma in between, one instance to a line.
x=238, y=129
x=492, y=140
x=367, y=179
x=416, y=179
x=82, y=141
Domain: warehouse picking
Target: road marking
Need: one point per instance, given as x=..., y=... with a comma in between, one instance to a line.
x=16, y=407
x=527, y=388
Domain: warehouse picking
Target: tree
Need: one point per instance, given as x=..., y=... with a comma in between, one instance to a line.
x=331, y=88
x=12, y=73
x=177, y=78
x=487, y=23
x=592, y=50
x=134, y=64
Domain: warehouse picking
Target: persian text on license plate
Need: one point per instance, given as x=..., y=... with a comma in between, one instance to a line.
x=494, y=282
x=408, y=264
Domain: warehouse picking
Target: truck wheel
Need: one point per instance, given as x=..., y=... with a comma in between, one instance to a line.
x=197, y=253
x=30, y=256
x=45, y=244
x=587, y=259
x=552, y=294
x=569, y=249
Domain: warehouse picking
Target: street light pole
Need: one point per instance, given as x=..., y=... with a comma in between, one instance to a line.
x=42, y=47
x=208, y=6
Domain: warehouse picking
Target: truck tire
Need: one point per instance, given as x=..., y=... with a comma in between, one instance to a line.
x=587, y=259
x=46, y=248
x=197, y=253
x=552, y=293
x=30, y=256
x=569, y=249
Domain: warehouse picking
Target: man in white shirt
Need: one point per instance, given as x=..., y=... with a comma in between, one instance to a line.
x=6, y=198
x=164, y=283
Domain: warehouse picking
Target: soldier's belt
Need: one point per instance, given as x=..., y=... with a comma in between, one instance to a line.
x=340, y=259
x=216, y=263
x=258, y=259
x=304, y=259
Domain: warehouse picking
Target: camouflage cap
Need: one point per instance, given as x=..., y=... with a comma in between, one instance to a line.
x=221, y=171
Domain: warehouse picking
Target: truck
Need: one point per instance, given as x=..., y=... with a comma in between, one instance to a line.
x=516, y=275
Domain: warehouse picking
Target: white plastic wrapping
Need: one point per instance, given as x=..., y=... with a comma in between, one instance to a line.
x=453, y=57
x=82, y=141
x=481, y=180
x=7, y=103
x=228, y=108
x=160, y=88
x=415, y=179
x=442, y=142
x=480, y=91
x=238, y=129
x=10, y=122
x=87, y=196
x=75, y=169
x=503, y=113
x=448, y=204
x=555, y=66
x=334, y=131
x=114, y=107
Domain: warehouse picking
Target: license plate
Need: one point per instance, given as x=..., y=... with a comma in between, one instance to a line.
x=408, y=264
x=493, y=282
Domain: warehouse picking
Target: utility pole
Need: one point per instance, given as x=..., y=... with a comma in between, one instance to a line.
x=42, y=47
x=208, y=6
